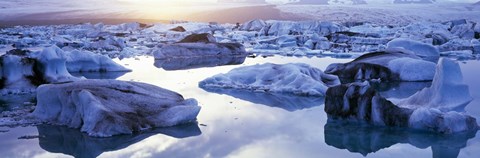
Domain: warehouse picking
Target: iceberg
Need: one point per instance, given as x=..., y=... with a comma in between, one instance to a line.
x=86, y=61
x=199, y=45
x=104, y=108
x=419, y=48
x=21, y=72
x=359, y=102
x=447, y=93
x=297, y=78
x=438, y=108
x=388, y=65
x=253, y=25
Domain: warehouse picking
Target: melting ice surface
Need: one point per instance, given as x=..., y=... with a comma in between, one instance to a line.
x=238, y=124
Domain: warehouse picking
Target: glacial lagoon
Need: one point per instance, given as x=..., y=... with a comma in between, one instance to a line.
x=235, y=123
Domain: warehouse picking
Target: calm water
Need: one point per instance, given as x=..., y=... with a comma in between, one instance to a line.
x=238, y=124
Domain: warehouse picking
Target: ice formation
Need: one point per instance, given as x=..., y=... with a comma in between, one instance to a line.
x=199, y=45
x=419, y=48
x=86, y=61
x=432, y=109
x=104, y=108
x=392, y=65
x=299, y=38
x=21, y=72
x=447, y=93
x=298, y=79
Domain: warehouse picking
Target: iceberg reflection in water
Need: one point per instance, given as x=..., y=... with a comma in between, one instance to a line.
x=283, y=101
x=198, y=62
x=99, y=75
x=61, y=139
x=366, y=139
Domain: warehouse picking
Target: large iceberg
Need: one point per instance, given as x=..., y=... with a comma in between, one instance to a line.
x=388, y=65
x=431, y=109
x=104, y=108
x=297, y=78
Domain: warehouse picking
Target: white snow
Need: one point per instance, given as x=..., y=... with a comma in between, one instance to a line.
x=104, y=108
x=447, y=93
x=419, y=48
x=298, y=79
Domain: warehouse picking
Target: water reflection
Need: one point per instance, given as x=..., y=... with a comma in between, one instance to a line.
x=283, y=101
x=99, y=75
x=11, y=102
x=365, y=139
x=61, y=139
x=198, y=62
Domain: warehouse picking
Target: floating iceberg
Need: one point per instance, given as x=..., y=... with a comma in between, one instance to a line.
x=360, y=102
x=298, y=79
x=430, y=109
x=447, y=93
x=86, y=61
x=104, y=108
x=21, y=73
x=253, y=25
x=419, y=48
x=388, y=65
x=199, y=45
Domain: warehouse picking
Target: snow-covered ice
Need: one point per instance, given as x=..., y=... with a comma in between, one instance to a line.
x=104, y=108
x=297, y=78
x=388, y=65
